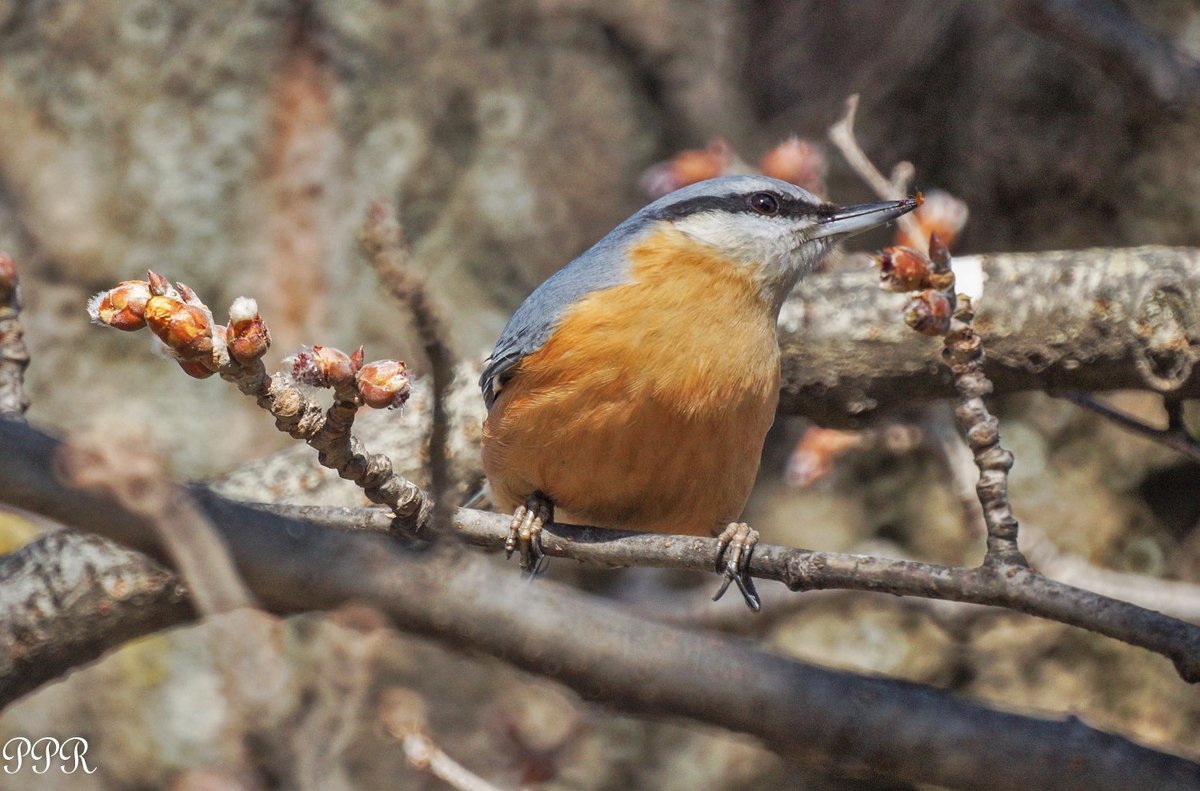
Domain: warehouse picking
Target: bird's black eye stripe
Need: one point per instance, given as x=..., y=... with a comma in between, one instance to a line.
x=785, y=206
x=764, y=203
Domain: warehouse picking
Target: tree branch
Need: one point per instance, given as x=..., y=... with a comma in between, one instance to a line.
x=1086, y=320
x=821, y=717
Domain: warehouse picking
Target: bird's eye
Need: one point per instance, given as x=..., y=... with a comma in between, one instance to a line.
x=764, y=203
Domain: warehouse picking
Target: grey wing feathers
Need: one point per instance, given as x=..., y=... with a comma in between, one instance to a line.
x=604, y=265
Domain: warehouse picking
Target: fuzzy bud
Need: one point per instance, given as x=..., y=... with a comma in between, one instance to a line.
x=902, y=269
x=322, y=366
x=928, y=313
x=383, y=384
x=185, y=329
x=247, y=334
x=939, y=213
x=799, y=162
x=122, y=307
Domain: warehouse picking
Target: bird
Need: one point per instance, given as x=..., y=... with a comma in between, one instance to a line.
x=634, y=388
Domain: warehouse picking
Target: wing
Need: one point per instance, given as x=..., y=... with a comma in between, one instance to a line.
x=603, y=266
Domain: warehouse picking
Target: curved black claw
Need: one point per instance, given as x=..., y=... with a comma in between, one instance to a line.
x=741, y=538
x=525, y=533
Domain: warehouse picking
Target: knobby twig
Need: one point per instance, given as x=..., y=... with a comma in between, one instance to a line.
x=14, y=356
x=1174, y=436
x=1177, y=599
x=964, y=353
x=186, y=328
x=382, y=243
x=820, y=717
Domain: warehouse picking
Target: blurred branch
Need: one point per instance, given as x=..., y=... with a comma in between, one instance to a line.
x=820, y=717
x=131, y=474
x=1102, y=32
x=14, y=356
x=381, y=240
x=402, y=714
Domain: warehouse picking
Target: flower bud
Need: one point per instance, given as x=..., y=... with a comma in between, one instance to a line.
x=247, y=334
x=688, y=167
x=799, y=162
x=928, y=313
x=185, y=329
x=939, y=213
x=122, y=307
x=322, y=366
x=902, y=269
x=159, y=285
x=383, y=384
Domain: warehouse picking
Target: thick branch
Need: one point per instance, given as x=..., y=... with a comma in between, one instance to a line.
x=819, y=716
x=1087, y=320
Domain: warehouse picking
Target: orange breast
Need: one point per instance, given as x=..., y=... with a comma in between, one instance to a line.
x=648, y=406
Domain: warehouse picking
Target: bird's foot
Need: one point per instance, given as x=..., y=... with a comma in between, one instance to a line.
x=738, y=540
x=525, y=532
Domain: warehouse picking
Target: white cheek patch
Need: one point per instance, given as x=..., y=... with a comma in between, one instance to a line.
x=968, y=276
x=745, y=237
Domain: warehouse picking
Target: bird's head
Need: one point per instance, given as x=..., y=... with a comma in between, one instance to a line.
x=774, y=228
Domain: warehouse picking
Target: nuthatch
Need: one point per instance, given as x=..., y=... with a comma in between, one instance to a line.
x=635, y=387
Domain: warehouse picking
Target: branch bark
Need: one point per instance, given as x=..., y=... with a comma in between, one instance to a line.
x=822, y=717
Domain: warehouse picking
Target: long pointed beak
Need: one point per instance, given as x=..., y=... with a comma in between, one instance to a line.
x=855, y=219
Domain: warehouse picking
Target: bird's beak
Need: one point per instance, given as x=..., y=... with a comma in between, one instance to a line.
x=855, y=219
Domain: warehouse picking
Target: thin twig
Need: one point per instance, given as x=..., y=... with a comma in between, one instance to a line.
x=1174, y=436
x=14, y=356
x=1011, y=587
x=402, y=713
x=842, y=135
x=382, y=242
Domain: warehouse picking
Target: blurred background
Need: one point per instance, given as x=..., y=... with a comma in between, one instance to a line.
x=236, y=145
